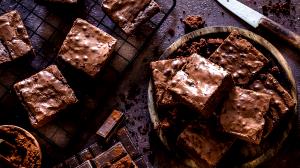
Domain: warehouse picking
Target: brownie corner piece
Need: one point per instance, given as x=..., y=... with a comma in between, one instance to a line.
x=128, y=15
x=239, y=57
x=44, y=94
x=243, y=114
x=14, y=40
x=87, y=48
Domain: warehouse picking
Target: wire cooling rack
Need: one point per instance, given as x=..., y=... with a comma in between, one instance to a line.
x=47, y=25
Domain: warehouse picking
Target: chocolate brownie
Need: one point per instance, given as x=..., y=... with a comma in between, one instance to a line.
x=162, y=71
x=87, y=48
x=239, y=57
x=45, y=94
x=128, y=14
x=204, y=145
x=201, y=84
x=14, y=40
x=243, y=114
x=193, y=22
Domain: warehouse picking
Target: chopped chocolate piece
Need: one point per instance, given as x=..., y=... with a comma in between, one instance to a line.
x=128, y=14
x=61, y=165
x=87, y=47
x=86, y=164
x=72, y=162
x=140, y=162
x=203, y=145
x=239, y=57
x=201, y=84
x=85, y=155
x=243, y=114
x=44, y=95
x=124, y=137
x=110, y=125
x=193, y=23
x=125, y=162
x=14, y=40
x=162, y=71
x=110, y=156
x=95, y=149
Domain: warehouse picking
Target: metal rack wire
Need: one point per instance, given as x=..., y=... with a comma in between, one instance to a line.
x=47, y=26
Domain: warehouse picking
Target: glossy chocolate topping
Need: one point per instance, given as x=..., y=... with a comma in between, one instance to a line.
x=86, y=47
x=44, y=94
x=243, y=114
x=239, y=57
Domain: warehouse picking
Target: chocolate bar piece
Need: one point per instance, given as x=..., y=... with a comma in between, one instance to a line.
x=162, y=71
x=87, y=47
x=44, y=95
x=201, y=84
x=85, y=155
x=128, y=14
x=124, y=137
x=125, y=162
x=110, y=156
x=86, y=164
x=95, y=149
x=239, y=57
x=110, y=125
x=243, y=114
x=205, y=146
x=72, y=162
x=14, y=40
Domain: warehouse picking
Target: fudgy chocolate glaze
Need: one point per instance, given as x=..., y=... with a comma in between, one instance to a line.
x=199, y=83
x=128, y=14
x=45, y=94
x=13, y=36
x=87, y=48
x=162, y=71
x=239, y=57
x=204, y=145
x=243, y=114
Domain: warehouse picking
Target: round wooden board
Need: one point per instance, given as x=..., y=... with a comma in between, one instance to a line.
x=275, y=56
x=35, y=151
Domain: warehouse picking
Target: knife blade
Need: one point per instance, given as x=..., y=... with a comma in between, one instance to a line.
x=256, y=20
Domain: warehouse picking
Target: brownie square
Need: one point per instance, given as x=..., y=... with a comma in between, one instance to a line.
x=44, y=95
x=204, y=145
x=243, y=114
x=239, y=57
x=162, y=71
x=201, y=84
x=87, y=48
x=128, y=14
x=14, y=40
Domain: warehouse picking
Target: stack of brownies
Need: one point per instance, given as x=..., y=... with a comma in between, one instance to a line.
x=228, y=87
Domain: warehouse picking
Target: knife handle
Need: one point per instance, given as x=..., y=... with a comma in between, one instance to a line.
x=281, y=31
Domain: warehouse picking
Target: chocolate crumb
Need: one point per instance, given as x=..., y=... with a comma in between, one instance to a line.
x=171, y=32
x=193, y=22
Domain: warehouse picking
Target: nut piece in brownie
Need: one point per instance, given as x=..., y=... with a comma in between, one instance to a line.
x=193, y=22
x=201, y=84
x=128, y=14
x=239, y=57
x=281, y=101
x=14, y=40
x=44, y=95
x=162, y=71
x=243, y=114
x=204, y=145
x=87, y=48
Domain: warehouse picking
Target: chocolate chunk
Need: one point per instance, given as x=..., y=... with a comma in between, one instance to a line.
x=87, y=48
x=14, y=39
x=86, y=164
x=125, y=162
x=205, y=146
x=128, y=14
x=44, y=95
x=162, y=71
x=110, y=156
x=72, y=162
x=239, y=57
x=110, y=125
x=95, y=149
x=124, y=137
x=243, y=114
x=85, y=155
x=193, y=22
x=201, y=84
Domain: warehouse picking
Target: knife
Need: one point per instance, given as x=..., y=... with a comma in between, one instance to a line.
x=255, y=19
